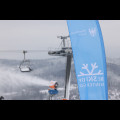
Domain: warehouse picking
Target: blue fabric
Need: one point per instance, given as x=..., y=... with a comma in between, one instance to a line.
x=89, y=59
x=53, y=92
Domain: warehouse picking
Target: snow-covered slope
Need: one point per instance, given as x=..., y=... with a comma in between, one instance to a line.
x=17, y=85
x=34, y=85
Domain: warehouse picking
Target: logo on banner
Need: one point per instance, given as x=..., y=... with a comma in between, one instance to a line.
x=94, y=66
x=91, y=78
x=80, y=33
x=92, y=31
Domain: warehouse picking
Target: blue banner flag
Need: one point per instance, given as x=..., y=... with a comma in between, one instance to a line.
x=89, y=59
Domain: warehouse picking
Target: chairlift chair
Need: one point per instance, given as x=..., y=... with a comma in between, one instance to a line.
x=25, y=64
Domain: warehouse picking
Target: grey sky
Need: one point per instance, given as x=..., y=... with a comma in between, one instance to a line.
x=111, y=35
x=42, y=34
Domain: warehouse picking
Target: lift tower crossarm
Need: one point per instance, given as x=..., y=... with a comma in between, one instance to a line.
x=63, y=38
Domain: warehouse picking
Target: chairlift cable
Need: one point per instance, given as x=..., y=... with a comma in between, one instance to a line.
x=20, y=51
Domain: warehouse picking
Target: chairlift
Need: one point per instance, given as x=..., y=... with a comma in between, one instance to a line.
x=63, y=51
x=25, y=64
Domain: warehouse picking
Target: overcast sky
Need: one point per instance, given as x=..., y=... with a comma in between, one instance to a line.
x=42, y=35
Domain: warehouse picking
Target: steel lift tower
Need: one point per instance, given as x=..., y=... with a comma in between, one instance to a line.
x=65, y=51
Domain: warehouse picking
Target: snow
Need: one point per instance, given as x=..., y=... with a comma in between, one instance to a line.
x=15, y=85
x=11, y=82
